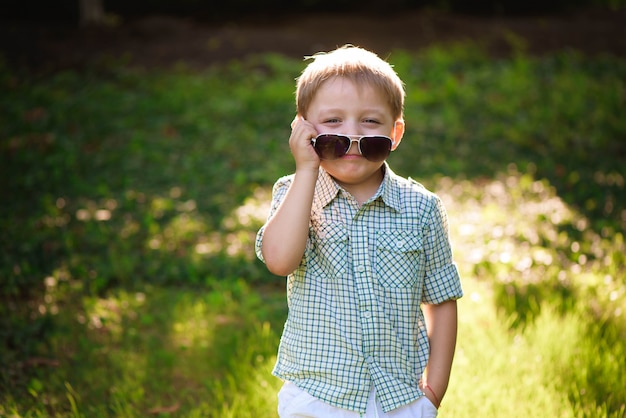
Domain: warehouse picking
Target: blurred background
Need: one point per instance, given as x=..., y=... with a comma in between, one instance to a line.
x=69, y=33
x=139, y=142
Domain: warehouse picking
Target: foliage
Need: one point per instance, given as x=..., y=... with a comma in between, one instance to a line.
x=470, y=115
x=131, y=202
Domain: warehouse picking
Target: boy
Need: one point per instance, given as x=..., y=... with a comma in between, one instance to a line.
x=371, y=284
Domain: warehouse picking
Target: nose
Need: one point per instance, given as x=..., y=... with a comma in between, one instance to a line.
x=354, y=145
x=350, y=127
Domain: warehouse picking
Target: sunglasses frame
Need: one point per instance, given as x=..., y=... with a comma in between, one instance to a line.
x=352, y=138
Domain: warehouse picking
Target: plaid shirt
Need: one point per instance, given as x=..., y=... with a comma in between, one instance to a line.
x=354, y=302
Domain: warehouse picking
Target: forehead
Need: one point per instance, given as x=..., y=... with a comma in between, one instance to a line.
x=346, y=93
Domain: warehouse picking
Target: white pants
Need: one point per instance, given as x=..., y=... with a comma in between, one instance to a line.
x=293, y=402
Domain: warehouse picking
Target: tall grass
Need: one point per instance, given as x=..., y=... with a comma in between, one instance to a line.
x=131, y=199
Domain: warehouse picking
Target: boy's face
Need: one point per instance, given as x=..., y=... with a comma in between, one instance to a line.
x=344, y=107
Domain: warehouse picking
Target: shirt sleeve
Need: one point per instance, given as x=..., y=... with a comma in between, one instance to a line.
x=278, y=194
x=442, y=279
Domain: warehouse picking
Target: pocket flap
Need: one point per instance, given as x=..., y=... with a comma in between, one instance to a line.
x=334, y=232
x=399, y=241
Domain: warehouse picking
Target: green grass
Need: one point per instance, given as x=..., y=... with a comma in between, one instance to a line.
x=532, y=341
x=132, y=354
x=129, y=286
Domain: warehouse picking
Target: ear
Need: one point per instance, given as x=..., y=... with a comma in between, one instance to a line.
x=397, y=133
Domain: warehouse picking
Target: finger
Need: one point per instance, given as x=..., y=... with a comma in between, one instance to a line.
x=302, y=130
x=296, y=120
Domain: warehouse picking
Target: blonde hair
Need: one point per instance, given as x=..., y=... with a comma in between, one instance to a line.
x=356, y=64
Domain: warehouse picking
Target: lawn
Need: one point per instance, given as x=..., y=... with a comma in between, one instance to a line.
x=131, y=200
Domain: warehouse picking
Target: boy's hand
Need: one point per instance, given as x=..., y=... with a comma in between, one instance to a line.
x=300, y=144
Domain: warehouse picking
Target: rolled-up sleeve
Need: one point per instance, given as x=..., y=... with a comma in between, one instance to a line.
x=442, y=279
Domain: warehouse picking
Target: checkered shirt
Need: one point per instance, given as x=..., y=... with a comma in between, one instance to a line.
x=354, y=302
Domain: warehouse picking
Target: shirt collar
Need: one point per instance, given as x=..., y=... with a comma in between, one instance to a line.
x=327, y=189
x=389, y=191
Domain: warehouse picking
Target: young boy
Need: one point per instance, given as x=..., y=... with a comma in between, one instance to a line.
x=371, y=284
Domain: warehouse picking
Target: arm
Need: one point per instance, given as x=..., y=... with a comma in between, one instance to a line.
x=285, y=235
x=441, y=323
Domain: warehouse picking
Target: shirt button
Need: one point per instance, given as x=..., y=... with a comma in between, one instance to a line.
x=369, y=359
x=367, y=314
x=400, y=243
x=360, y=268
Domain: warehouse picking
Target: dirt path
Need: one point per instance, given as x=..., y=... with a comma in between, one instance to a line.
x=163, y=41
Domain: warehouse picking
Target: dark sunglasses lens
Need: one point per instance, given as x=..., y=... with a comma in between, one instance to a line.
x=331, y=147
x=375, y=148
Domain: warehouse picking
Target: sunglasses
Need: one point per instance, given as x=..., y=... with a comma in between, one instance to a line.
x=333, y=146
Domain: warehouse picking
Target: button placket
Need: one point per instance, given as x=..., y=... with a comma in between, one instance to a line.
x=365, y=291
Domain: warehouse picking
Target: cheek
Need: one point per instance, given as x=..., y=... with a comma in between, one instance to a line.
x=319, y=128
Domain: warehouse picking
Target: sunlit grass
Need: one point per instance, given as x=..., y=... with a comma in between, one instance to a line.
x=531, y=341
x=518, y=234
x=498, y=373
x=174, y=350
x=535, y=371
x=178, y=352
x=195, y=371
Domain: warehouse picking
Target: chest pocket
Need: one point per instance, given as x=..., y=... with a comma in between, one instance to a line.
x=398, y=257
x=328, y=253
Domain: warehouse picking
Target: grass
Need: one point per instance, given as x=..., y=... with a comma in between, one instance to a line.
x=131, y=201
x=531, y=342
x=136, y=354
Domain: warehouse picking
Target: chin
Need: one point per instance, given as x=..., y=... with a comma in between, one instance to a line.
x=351, y=171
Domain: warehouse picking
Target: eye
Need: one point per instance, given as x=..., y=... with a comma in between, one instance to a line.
x=331, y=120
x=372, y=121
